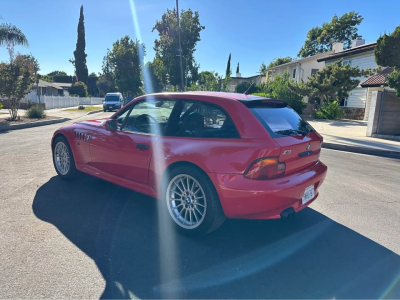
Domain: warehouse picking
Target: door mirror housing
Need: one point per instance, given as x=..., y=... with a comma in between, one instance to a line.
x=111, y=125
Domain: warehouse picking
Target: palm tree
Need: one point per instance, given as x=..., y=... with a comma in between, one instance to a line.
x=12, y=34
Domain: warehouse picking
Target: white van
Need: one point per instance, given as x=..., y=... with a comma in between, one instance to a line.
x=113, y=101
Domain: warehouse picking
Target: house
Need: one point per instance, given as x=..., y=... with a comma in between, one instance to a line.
x=359, y=55
x=303, y=68
x=257, y=79
x=48, y=89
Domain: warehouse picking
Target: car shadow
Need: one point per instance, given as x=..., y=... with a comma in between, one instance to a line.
x=139, y=255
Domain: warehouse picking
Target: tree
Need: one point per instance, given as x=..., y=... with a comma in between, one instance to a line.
x=78, y=88
x=237, y=68
x=105, y=86
x=127, y=65
x=263, y=69
x=155, y=81
x=10, y=34
x=334, y=82
x=106, y=81
x=16, y=79
x=387, y=54
x=277, y=61
x=92, y=88
x=80, y=56
x=279, y=89
x=57, y=73
x=209, y=81
x=167, y=46
x=320, y=39
x=246, y=86
x=228, y=71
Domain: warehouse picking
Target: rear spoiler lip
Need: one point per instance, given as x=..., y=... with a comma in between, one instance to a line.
x=263, y=102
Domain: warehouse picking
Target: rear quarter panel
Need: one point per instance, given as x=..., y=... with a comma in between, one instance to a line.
x=224, y=156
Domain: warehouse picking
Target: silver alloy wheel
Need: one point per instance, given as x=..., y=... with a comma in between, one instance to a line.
x=186, y=201
x=61, y=158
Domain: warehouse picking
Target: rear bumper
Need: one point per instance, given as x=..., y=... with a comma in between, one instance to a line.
x=243, y=198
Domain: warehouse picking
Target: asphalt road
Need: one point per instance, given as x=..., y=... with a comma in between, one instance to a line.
x=88, y=238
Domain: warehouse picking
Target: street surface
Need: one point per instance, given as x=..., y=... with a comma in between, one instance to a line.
x=88, y=238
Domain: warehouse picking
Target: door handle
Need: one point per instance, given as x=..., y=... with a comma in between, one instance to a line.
x=142, y=146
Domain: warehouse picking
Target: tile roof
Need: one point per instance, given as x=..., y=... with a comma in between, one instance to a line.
x=351, y=51
x=377, y=80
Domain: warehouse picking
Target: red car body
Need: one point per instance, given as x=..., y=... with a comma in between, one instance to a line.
x=115, y=158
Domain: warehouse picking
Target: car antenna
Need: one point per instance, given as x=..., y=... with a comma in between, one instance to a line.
x=248, y=88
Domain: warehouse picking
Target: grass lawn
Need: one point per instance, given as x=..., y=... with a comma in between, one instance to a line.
x=87, y=108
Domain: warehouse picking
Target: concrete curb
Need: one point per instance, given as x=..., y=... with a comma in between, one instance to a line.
x=33, y=124
x=362, y=150
x=94, y=112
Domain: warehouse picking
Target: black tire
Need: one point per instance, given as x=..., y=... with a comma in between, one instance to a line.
x=104, y=109
x=72, y=171
x=214, y=216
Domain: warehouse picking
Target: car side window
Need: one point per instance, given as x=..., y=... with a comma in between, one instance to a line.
x=149, y=116
x=203, y=120
x=122, y=116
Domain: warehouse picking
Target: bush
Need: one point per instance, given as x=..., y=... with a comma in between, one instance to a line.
x=329, y=110
x=1, y=106
x=279, y=89
x=242, y=87
x=81, y=107
x=79, y=88
x=35, y=112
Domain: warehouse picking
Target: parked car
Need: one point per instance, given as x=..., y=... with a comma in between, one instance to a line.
x=207, y=156
x=113, y=101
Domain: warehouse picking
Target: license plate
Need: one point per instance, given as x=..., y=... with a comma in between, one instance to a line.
x=308, y=194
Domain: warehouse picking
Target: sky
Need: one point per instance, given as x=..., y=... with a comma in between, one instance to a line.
x=253, y=31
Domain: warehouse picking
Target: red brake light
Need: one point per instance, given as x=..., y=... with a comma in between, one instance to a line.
x=265, y=168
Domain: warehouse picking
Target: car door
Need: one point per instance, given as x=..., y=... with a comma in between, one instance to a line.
x=127, y=153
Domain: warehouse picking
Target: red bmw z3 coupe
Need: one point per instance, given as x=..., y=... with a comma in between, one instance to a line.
x=208, y=156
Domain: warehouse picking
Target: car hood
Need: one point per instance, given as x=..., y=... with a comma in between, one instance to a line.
x=95, y=123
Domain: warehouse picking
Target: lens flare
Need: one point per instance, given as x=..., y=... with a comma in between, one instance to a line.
x=167, y=245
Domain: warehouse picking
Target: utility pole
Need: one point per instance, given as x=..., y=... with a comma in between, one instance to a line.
x=180, y=46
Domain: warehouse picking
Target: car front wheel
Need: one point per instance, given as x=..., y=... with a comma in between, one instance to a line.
x=192, y=201
x=63, y=159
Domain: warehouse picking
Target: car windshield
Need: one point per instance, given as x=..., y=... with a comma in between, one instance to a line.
x=281, y=121
x=112, y=98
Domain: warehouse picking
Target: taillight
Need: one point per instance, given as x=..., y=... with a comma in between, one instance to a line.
x=265, y=168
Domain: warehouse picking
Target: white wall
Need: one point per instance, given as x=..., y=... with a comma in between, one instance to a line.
x=366, y=60
x=307, y=67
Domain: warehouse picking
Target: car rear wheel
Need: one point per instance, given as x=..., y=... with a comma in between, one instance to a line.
x=63, y=159
x=192, y=201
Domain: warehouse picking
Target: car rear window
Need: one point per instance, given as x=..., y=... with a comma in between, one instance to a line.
x=112, y=98
x=281, y=121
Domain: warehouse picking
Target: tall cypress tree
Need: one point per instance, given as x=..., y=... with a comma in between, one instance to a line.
x=237, y=68
x=228, y=67
x=79, y=53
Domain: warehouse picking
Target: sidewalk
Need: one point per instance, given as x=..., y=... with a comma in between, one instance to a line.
x=349, y=135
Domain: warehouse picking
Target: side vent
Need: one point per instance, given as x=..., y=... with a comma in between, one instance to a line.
x=80, y=136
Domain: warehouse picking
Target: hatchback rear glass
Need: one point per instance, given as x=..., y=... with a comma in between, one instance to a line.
x=112, y=98
x=281, y=121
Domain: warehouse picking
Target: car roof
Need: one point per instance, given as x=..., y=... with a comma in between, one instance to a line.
x=113, y=94
x=224, y=95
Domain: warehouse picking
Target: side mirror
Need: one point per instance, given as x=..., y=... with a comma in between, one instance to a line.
x=111, y=125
